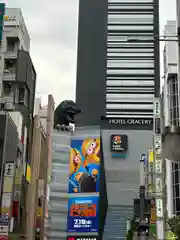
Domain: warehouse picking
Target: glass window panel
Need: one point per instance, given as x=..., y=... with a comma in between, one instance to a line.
x=130, y=72
x=130, y=27
x=134, y=7
x=126, y=54
x=121, y=49
x=129, y=106
x=131, y=1
x=128, y=96
x=177, y=191
x=174, y=205
x=176, y=174
x=125, y=38
x=130, y=83
x=177, y=205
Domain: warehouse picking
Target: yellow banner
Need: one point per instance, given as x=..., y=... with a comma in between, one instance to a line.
x=28, y=173
x=5, y=210
x=8, y=184
x=153, y=212
x=39, y=211
x=151, y=156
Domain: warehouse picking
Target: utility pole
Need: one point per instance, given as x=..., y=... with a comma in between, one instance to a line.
x=159, y=176
x=143, y=224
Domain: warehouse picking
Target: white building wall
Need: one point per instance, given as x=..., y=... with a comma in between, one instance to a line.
x=15, y=18
x=14, y=26
x=42, y=112
x=170, y=63
x=18, y=120
x=170, y=69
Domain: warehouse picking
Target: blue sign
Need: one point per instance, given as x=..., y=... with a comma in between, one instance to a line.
x=144, y=158
x=84, y=171
x=4, y=219
x=83, y=214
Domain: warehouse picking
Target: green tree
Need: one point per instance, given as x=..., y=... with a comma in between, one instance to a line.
x=133, y=228
x=174, y=224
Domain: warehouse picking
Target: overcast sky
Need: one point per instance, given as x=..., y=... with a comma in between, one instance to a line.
x=53, y=29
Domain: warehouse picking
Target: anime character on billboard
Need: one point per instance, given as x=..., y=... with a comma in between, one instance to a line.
x=91, y=152
x=85, y=166
x=75, y=164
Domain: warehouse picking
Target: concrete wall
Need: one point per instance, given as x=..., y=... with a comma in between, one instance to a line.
x=14, y=17
x=122, y=175
x=58, y=197
x=122, y=179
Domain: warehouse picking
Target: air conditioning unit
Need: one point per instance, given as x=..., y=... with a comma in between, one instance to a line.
x=9, y=106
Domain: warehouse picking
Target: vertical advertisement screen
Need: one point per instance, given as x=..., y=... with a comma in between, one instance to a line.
x=83, y=188
x=83, y=214
x=84, y=171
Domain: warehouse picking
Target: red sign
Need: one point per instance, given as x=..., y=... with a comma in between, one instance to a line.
x=3, y=237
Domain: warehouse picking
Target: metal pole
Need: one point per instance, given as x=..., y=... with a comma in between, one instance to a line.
x=142, y=195
x=159, y=174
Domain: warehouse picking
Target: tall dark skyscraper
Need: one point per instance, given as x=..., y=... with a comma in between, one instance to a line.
x=118, y=59
x=91, y=62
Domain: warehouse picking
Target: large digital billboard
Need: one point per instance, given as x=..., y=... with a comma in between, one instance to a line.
x=84, y=171
x=83, y=214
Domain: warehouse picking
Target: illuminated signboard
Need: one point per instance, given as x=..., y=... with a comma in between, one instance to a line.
x=83, y=214
x=84, y=170
x=119, y=145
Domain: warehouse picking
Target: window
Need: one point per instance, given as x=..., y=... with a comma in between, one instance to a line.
x=173, y=98
x=177, y=205
x=11, y=44
x=21, y=94
x=10, y=65
x=176, y=176
x=7, y=88
x=177, y=191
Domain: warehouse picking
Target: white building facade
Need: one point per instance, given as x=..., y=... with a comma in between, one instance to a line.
x=15, y=38
x=171, y=112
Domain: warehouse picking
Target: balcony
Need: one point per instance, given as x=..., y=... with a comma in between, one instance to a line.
x=13, y=44
x=11, y=54
x=9, y=74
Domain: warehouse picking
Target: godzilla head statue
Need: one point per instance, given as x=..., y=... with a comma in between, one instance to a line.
x=65, y=112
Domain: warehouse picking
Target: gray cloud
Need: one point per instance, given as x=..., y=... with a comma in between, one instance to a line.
x=53, y=29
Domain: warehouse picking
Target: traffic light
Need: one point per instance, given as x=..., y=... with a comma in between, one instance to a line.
x=2, y=12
